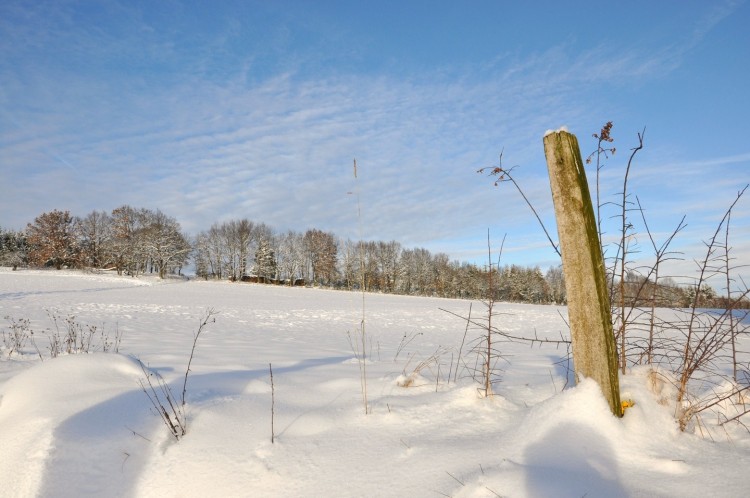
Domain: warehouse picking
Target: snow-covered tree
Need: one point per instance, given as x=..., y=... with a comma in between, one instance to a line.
x=556, y=285
x=442, y=274
x=290, y=255
x=201, y=256
x=13, y=248
x=123, y=246
x=367, y=253
x=164, y=244
x=224, y=250
x=265, y=260
x=95, y=234
x=237, y=236
x=211, y=253
x=348, y=263
x=387, y=255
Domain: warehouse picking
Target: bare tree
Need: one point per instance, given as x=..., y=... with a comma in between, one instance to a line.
x=122, y=249
x=290, y=255
x=201, y=256
x=387, y=255
x=95, y=233
x=349, y=263
x=243, y=233
x=321, y=255
x=165, y=245
x=556, y=285
x=237, y=236
x=211, y=253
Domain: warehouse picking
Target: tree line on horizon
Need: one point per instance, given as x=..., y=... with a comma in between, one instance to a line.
x=134, y=241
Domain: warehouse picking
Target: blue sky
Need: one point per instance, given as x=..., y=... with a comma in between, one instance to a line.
x=213, y=111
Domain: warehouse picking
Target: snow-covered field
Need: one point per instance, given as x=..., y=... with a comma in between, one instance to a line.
x=80, y=425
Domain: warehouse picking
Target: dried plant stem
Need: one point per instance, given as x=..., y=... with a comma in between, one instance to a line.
x=505, y=176
x=273, y=402
x=362, y=357
x=727, y=268
x=463, y=340
x=623, y=251
x=210, y=312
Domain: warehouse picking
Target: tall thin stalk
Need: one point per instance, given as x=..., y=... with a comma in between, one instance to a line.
x=487, y=367
x=603, y=136
x=273, y=402
x=362, y=356
x=210, y=312
x=727, y=268
x=490, y=305
x=625, y=228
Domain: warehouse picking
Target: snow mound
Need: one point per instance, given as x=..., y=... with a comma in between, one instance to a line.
x=68, y=417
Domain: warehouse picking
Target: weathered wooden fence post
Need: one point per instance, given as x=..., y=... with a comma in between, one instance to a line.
x=594, y=350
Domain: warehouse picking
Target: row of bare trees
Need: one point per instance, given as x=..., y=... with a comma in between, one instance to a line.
x=134, y=241
x=237, y=249
x=128, y=240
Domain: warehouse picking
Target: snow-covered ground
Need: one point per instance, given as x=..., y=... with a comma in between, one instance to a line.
x=80, y=425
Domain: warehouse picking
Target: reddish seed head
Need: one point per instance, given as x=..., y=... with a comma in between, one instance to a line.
x=604, y=134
